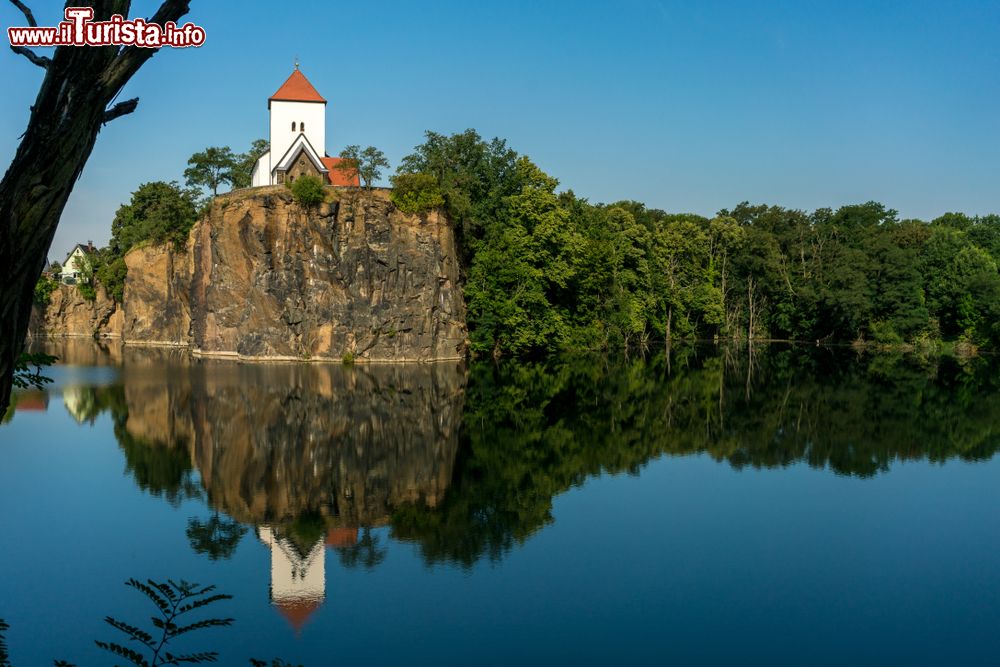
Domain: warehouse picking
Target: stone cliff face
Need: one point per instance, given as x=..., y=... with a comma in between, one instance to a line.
x=69, y=314
x=262, y=277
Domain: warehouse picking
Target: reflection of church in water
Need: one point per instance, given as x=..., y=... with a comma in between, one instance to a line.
x=298, y=581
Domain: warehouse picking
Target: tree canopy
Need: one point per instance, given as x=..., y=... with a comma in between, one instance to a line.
x=211, y=168
x=547, y=270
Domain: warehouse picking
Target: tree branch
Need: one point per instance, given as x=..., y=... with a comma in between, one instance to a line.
x=27, y=12
x=120, y=109
x=41, y=61
x=131, y=58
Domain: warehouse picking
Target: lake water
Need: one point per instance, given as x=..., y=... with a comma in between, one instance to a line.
x=776, y=506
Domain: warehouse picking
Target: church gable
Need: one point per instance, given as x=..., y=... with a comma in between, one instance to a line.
x=301, y=159
x=301, y=165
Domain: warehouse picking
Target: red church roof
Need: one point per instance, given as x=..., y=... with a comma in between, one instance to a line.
x=297, y=612
x=297, y=89
x=340, y=176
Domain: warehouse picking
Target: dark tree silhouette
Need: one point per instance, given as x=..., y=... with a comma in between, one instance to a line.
x=72, y=106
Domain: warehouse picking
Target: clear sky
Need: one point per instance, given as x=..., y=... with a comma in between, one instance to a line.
x=686, y=106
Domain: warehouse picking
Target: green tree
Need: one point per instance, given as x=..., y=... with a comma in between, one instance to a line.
x=521, y=271
x=416, y=193
x=211, y=168
x=368, y=163
x=243, y=163
x=474, y=176
x=158, y=212
x=44, y=289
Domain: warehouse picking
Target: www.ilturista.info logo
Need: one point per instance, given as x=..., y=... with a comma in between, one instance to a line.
x=80, y=30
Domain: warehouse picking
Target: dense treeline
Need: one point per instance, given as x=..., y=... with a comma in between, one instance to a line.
x=548, y=271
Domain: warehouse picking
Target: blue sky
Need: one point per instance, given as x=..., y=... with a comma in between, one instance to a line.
x=686, y=106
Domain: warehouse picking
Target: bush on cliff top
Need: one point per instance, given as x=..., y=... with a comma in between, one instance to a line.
x=307, y=190
x=44, y=289
x=416, y=193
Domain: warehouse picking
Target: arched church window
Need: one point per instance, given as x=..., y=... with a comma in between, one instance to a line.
x=302, y=127
x=293, y=126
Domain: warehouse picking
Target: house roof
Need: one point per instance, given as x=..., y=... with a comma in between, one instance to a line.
x=340, y=176
x=339, y=538
x=297, y=89
x=85, y=249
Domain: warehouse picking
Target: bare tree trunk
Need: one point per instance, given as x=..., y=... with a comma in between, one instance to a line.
x=71, y=108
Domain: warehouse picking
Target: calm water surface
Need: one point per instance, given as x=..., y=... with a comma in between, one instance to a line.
x=791, y=506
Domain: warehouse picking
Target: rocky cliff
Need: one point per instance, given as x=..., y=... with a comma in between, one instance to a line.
x=69, y=314
x=263, y=277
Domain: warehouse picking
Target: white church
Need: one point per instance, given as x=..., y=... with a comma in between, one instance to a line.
x=298, y=138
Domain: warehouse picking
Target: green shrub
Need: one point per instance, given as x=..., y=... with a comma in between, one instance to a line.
x=348, y=358
x=87, y=291
x=111, y=274
x=307, y=190
x=416, y=193
x=44, y=289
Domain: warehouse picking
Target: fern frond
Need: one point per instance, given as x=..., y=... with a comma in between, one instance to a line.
x=150, y=593
x=124, y=652
x=208, y=623
x=4, y=658
x=136, y=633
x=191, y=658
x=168, y=589
x=183, y=609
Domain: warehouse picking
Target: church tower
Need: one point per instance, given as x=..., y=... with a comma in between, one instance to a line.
x=298, y=137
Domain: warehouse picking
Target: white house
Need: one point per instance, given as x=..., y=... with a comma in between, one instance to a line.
x=298, y=138
x=76, y=263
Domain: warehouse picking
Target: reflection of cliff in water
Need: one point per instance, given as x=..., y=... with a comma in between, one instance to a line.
x=272, y=443
x=305, y=449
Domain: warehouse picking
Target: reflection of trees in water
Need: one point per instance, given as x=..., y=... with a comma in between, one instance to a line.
x=531, y=431
x=366, y=552
x=308, y=450
x=217, y=537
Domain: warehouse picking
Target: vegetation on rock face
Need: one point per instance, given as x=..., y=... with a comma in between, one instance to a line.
x=416, y=193
x=44, y=289
x=158, y=212
x=308, y=191
x=549, y=271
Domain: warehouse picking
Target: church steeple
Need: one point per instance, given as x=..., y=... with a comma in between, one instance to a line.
x=297, y=89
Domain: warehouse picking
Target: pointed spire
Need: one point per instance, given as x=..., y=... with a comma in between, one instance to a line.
x=297, y=89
